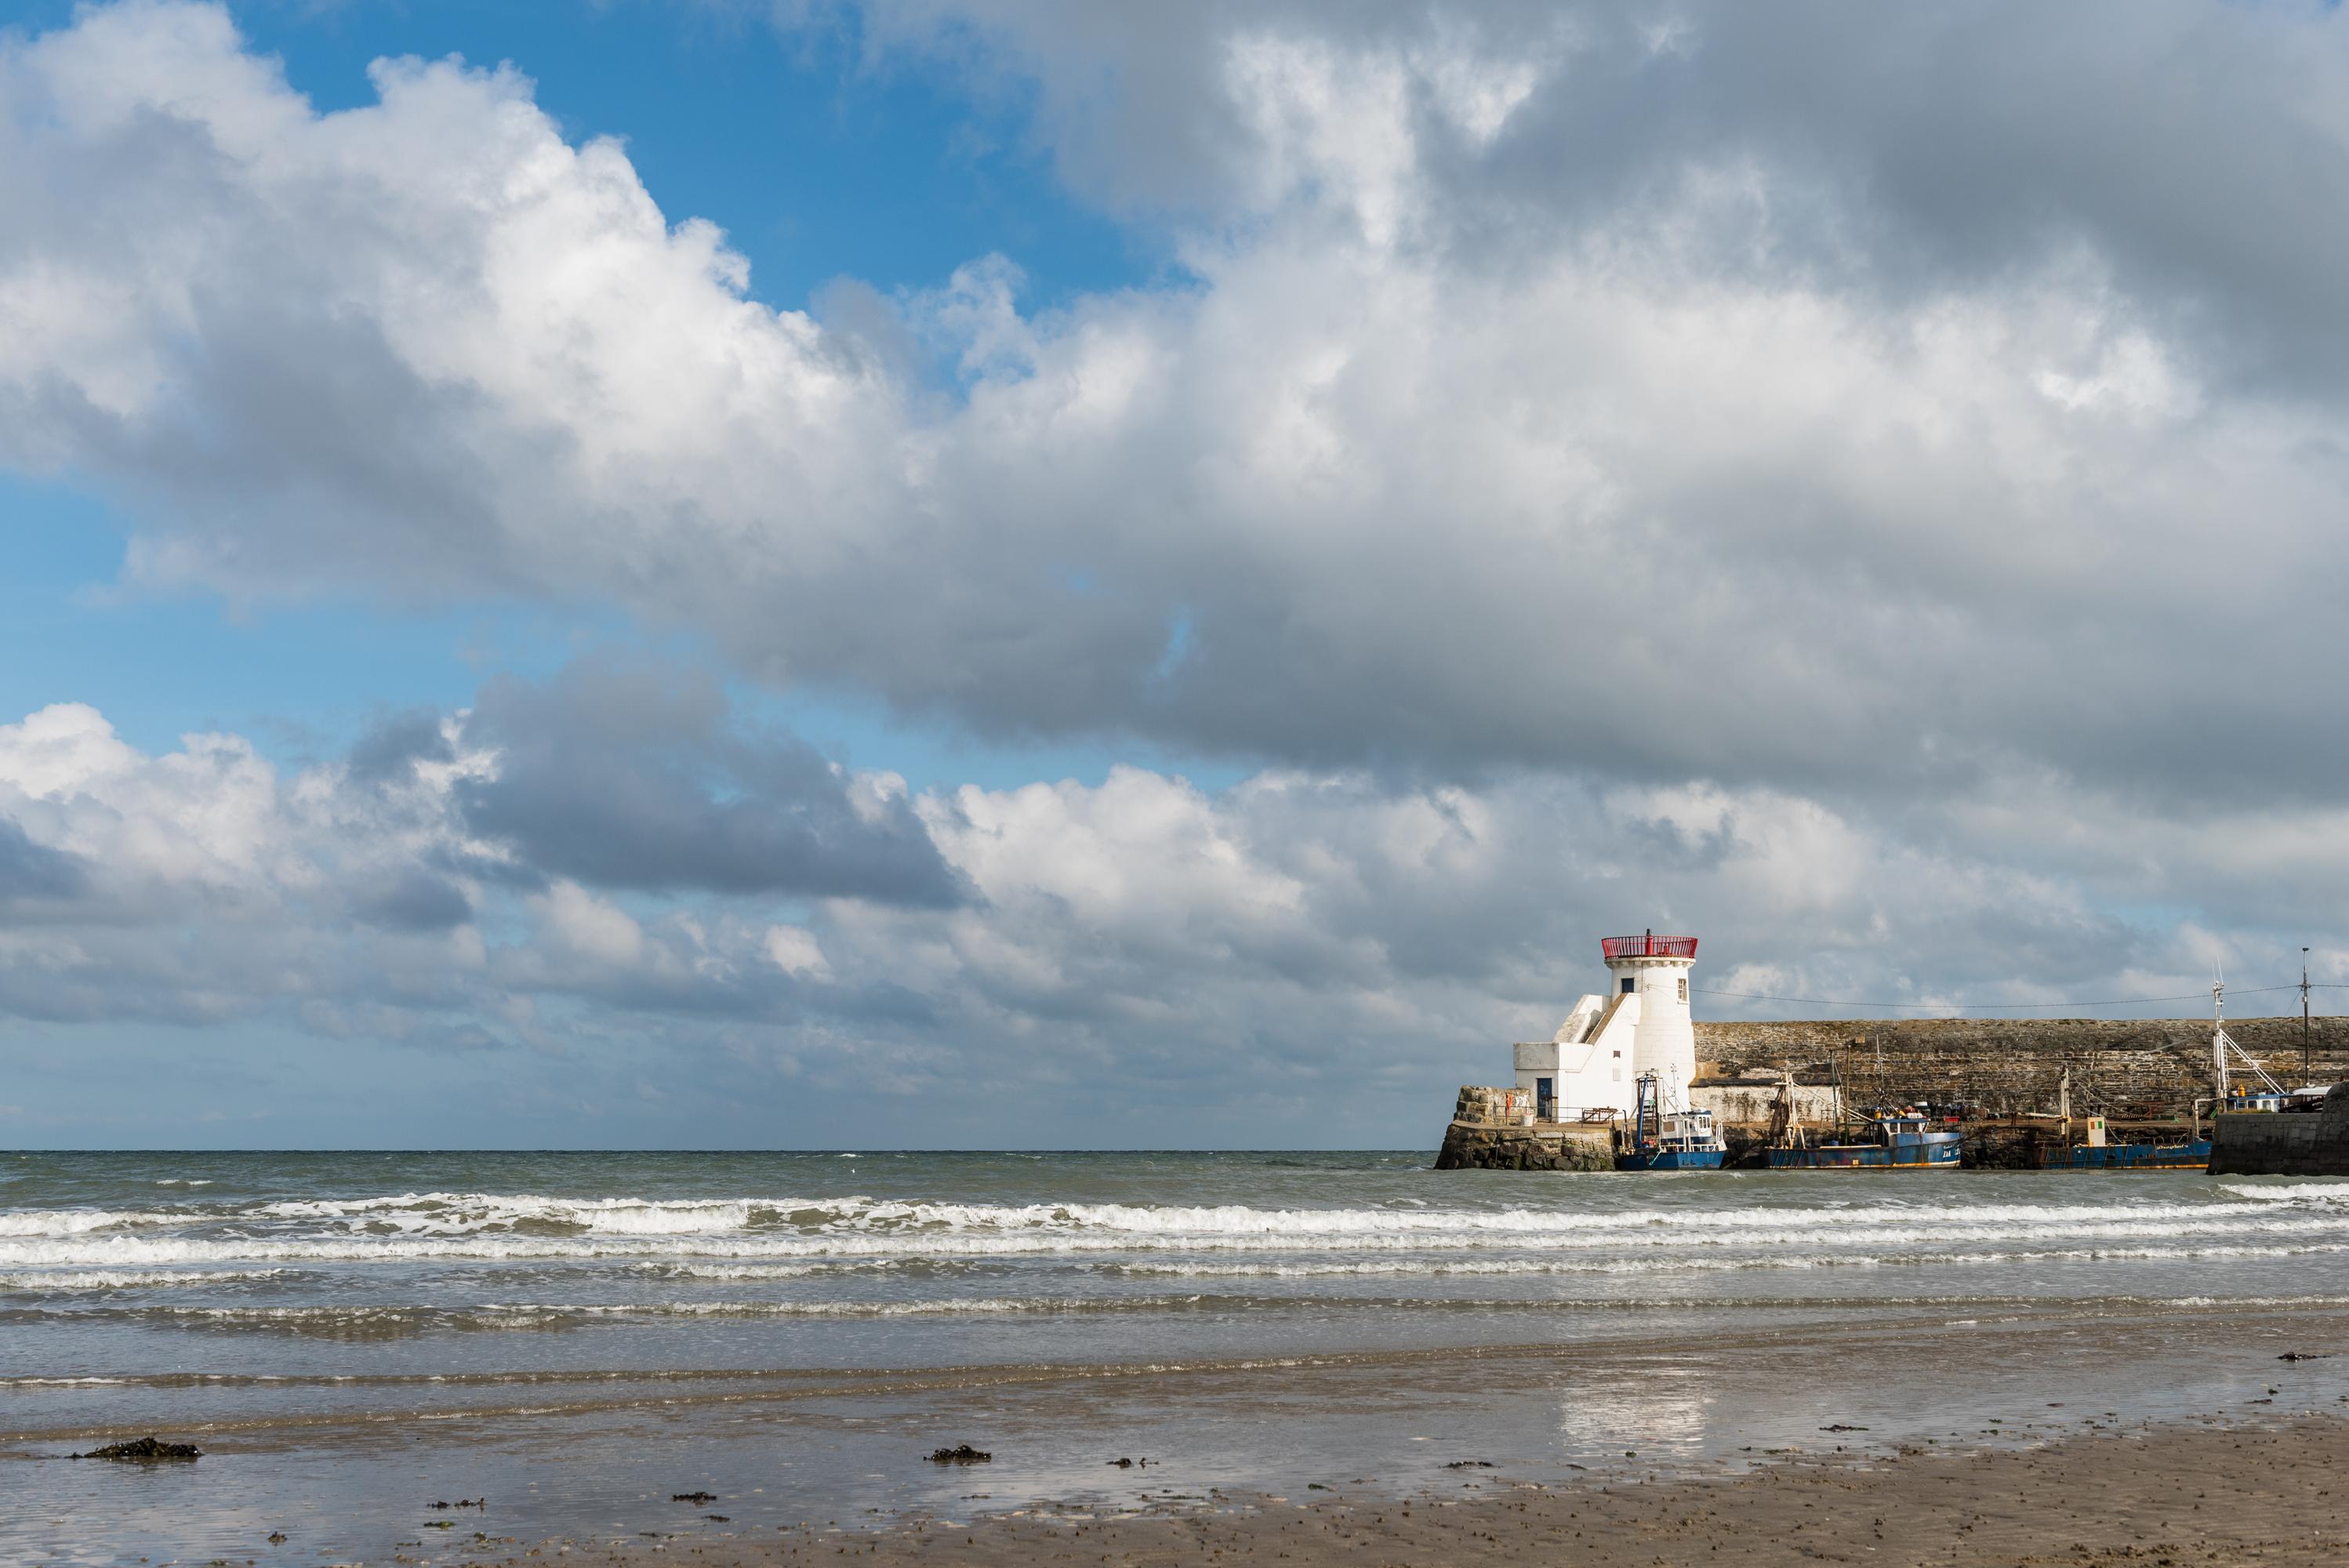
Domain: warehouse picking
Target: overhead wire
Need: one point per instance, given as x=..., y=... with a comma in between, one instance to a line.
x=1994, y=1006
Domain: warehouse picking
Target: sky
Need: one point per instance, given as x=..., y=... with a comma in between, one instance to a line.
x=1019, y=573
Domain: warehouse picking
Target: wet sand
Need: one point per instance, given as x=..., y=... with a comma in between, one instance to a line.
x=1972, y=1440
x=2167, y=1495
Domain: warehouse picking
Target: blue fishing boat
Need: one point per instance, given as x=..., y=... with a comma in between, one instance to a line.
x=2187, y=1154
x=1894, y=1141
x=1660, y=1139
x=2100, y=1151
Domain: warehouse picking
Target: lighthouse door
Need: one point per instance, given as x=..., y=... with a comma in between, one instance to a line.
x=1545, y=1099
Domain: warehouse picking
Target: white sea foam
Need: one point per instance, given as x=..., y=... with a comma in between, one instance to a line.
x=50, y=1281
x=739, y=1272
x=936, y=1306
x=1826, y=1233
x=461, y=1212
x=468, y=1213
x=1502, y=1267
x=2298, y=1193
x=524, y=1314
x=779, y=1234
x=73, y=1222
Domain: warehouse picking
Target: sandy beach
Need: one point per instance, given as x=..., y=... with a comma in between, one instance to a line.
x=2169, y=1494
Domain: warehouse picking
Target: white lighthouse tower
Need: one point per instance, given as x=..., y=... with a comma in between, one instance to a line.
x=1651, y=974
x=1594, y=1062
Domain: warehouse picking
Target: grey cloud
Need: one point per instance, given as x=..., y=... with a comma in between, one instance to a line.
x=636, y=778
x=33, y=870
x=2199, y=144
x=1167, y=963
x=414, y=900
x=391, y=746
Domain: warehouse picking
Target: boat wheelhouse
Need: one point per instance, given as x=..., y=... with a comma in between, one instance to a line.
x=1660, y=1139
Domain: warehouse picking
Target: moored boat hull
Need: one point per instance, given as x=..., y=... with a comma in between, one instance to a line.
x=1673, y=1160
x=2190, y=1156
x=1933, y=1152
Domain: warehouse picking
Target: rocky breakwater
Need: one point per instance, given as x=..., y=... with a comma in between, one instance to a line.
x=1489, y=1132
x=2284, y=1143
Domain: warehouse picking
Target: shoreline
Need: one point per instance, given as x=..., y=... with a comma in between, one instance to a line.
x=2167, y=1493
x=736, y=1356
x=1853, y=1339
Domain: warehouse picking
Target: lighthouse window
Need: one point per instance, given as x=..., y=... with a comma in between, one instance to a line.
x=1683, y=987
x=1627, y=985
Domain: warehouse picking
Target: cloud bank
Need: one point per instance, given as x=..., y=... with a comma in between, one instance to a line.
x=1865, y=400
x=1128, y=951
x=1821, y=478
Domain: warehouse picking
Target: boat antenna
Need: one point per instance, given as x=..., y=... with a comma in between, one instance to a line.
x=2219, y=1025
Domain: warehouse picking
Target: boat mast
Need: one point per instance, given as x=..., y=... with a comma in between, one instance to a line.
x=2221, y=1042
x=2218, y=1034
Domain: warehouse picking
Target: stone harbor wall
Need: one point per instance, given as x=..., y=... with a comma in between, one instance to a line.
x=2127, y=1068
x=2142, y=1071
x=1489, y=1133
x=1551, y=1146
x=1735, y=1103
x=2284, y=1143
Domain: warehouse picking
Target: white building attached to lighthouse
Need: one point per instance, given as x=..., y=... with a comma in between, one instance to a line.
x=1641, y=1026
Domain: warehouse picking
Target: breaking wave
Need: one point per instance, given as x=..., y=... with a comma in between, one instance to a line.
x=327, y=1265
x=55, y=1281
x=779, y=1233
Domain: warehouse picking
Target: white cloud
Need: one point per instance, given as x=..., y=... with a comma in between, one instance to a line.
x=594, y=928
x=1137, y=949
x=795, y=951
x=1426, y=463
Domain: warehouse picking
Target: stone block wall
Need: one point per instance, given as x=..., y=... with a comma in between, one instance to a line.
x=2128, y=1069
x=1744, y=1104
x=2284, y=1143
x=1491, y=1105
x=1548, y=1145
x=1493, y=1130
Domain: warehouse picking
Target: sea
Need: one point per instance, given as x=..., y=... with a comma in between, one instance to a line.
x=617, y=1346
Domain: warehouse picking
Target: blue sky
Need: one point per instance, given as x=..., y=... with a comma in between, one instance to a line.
x=818, y=167
x=1166, y=575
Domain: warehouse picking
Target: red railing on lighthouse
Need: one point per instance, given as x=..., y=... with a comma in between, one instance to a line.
x=1648, y=946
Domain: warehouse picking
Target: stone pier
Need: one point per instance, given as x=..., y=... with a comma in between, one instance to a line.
x=2284, y=1143
x=1489, y=1133
x=2143, y=1074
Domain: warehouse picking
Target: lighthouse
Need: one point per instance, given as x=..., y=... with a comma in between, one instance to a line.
x=1592, y=1066
x=1650, y=974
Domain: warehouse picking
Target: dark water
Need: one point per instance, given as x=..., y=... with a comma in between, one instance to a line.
x=355, y=1336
